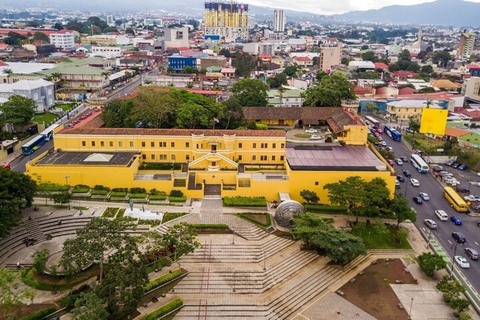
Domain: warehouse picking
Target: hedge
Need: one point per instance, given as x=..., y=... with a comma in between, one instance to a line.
x=118, y=194
x=176, y=193
x=52, y=187
x=120, y=190
x=159, y=166
x=177, y=303
x=244, y=202
x=100, y=187
x=138, y=195
x=138, y=190
x=163, y=279
x=158, y=197
x=210, y=226
x=40, y=314
x=177, y=199
x=99, y=192
x=80, y=188
x=172, y=215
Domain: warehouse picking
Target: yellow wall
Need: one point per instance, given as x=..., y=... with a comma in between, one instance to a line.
x=354, y=135
x=434, y=121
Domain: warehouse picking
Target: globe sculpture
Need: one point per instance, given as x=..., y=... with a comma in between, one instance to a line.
x=286, y=211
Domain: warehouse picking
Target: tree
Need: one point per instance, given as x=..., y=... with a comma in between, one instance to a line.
x=18, y=110
x=89, y=307
x=291, y=71
x=16, y=191
x=40, y=36
x=320, y=75
x=442, y=58
x=330, y=91
x=377, y=196
x=244, y=64
x=277, y=81
x=11, y=291
x=58, y=26
x=413, y=125
x=232, y=113
x=402, y=209
x=451, y=288
x=371, y=107
x=92, y=243
x=460, y=305
x=405, y=56
x=427, y=90
x=430, y=262
x=250, y=93
x=413, y=66
x=349, y=193
x=309, y=196
x=369, y=56
x=367, y=75
x=62, y=198
x=192, y=115
x=427, y=69
x=14, y=39
x=394, y=67
x=190, y=70
x=40, y=259
x=225, y=52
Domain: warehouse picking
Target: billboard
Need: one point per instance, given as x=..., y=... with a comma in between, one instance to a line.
x=434, y=121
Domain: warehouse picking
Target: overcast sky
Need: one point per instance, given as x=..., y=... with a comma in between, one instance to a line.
x=333, y=6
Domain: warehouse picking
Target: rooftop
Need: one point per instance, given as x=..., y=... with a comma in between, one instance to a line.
x=87, y=158
x=331, y=158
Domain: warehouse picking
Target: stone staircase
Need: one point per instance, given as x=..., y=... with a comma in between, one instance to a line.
x=192, y=185
x=34, y=230
x=252, y=233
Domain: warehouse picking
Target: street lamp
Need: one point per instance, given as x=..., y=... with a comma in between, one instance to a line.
x=66, y=179
x=411, y=306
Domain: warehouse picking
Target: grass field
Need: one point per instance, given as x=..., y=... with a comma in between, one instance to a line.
x=46, y=117
x=381, y=238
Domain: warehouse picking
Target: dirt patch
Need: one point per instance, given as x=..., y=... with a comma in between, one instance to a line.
x=25, y=310
x=372, y=293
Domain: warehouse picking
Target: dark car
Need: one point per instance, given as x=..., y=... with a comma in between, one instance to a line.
x=417, y=200
x=455, y=164
x=462, y=189
x=404, y=159
x=456, y=220
x=462, y=167
x=401, y=178
x=471, y=253
x=459, y=237
x=437, y=168
x=407, y=173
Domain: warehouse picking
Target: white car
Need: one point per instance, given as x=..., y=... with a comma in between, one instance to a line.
x=430, y=223
x=311, y=130
x=315, y=137
x=424, y=196
x=399, y=161
x=383, y=144
x=462, y=262
x=442, y=215
x=415, y=182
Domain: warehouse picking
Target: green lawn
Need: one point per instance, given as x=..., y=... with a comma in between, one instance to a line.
x=373, y=239
x=46, y=117
x=66, y=107
x=303, y=135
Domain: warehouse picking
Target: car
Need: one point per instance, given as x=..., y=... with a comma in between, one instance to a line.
x=459, y=237
x=414, y=182
x=455, y=164
x=399, y=161
x=462, y=262
x=424, y=196
x=397, y=184
x=462, y=189
x=390, y=162
x=379, y=130
x=401, y=178
x=390, y=149
x=471, y=198
x=376, y=135
x=404, y=159
x=456, y=220
x=315, y=137
x=410, y=131
x=311, y=130
x=383, y=144
x=430, y=223
x=437, y=168
x=442, y=215
x=406, y=173
x=462, y=167
x=417, y=200
x=471, y=253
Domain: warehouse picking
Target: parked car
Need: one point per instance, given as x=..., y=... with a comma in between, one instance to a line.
x=424, y=196
x=442, y=215
x=455, y=164
x=401, y=178
x=311, y=130
x=390, y=162
x=471, y=253
x=417, y=200
x=462, y=167
x=397, y=184
x=390, y=149
x=471, y=198
x=379, y=130
x=462, y=262
x=456, y=220
x=415, y=182
x=406, y=173
x=315, y=137
x=430, y=223
x=383, y=144
x=437, y=168
x=399, y=161
x=404, y=159
x=462, y=189
x=459, y=237
x=410, y=131
x=376, y=135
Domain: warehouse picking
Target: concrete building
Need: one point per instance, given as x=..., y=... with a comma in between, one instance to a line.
x=40, y=91
x=287, y=98
x=229, y=20
x=467, y=44
x=178, y=63
x=403, y=110
x=471, y=89
x=279, y=21
x=330, y=55
x=106, y=52
x=175, y=37
x=63, y=41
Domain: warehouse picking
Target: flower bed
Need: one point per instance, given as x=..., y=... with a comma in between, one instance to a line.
x=119, y=194
x=138, y=195
x=81, y=188
x=99, y=192
x=121, y=213
x=244, y=202
x=110, y=212
x=52, y=187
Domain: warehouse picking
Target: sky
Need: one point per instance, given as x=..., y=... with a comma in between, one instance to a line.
x=335, y=6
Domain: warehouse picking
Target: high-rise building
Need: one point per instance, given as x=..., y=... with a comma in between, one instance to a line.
x=330, y=55
x=227, y=20
x=279, y=20
x=467, y=43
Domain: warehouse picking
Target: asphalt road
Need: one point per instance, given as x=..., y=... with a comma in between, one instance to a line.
x=426, y=210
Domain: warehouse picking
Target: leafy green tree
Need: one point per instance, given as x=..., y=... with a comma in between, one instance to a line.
x=367, y=75
x=413, y=66
x=330, y=91
x=369, y=56
x=427, y=90
x=190, y=70
x=58, y=26
x=430, y=262
x=232, y=113
x=40, y=258
x=459, y=305
x=244, y=64
x=377, y=196
x=91, y=244
x=427, y=69
x=402, y=209
x=17, y=110
x=62, y=198
x=405, y=56
x=413, y=125
x=442, y=58
x=195, y=115
x=154, y=109
x=89, y=307
x=451, y=288
x=250, y=93
x=394, y=67
x=291, y=71
x=309, y=196
x=349, y=193
x=16, y=191
x=371, y=107
x=320, y=75
x=14, y=39
x=277, y=81
x=225, y=52
x=40, y=36
x=12, y=292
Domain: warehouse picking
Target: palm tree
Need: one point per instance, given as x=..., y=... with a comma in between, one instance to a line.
x=428, y=103
x=8, y=72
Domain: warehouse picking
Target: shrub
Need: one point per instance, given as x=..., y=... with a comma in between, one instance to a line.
x=156, y=192
x=158, y=197
x=163, y=279
x=138, y=195
x=261, y=126
x=120, y=190
x=52, y=187
x=80, y=188
x=244, y=201
x=118, y=194
x=40, y=314
x=100, y=187
x=138, y=190
x=172, y=215
x=160, y=166
x=177, y=199
x=163, y=310
x=99, y=192
x=69, y=300
x=429, y=262
x=176, y=193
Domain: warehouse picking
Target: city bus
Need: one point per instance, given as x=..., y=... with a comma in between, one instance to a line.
x=419, y=163
x=455, y=200
x=392, y=133
x=372, y=121
x=48, y=133
x=34, y=144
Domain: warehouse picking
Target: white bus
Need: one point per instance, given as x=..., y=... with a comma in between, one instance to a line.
x=48, y=133
x=419, y=163
x=372, y=121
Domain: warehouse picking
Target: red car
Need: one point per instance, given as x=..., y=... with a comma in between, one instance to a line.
x=390, y=162
x=379, y=130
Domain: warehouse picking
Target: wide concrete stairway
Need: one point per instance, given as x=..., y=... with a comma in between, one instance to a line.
x=34, y=230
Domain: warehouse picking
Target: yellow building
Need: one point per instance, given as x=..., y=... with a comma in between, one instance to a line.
x=229, y=20
x=403, y=110
x=222, y=162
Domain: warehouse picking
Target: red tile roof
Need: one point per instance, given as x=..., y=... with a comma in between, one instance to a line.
x=173, y=132
x=306, y=59
x=406, y=91
x=381, y=65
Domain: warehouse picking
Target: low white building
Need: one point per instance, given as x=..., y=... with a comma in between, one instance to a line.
x=106, y=52
x=63, y=41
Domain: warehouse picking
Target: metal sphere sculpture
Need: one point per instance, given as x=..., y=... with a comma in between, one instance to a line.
x=286, y=211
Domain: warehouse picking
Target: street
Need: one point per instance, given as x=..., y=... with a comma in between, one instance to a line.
x=426, y=210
